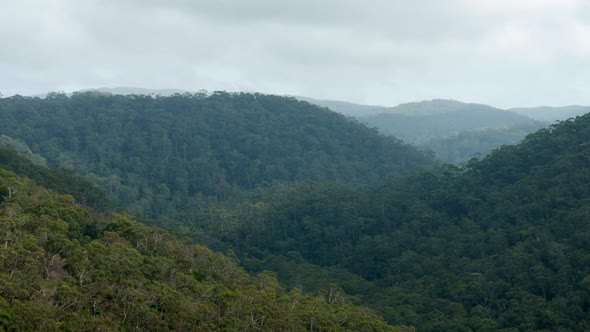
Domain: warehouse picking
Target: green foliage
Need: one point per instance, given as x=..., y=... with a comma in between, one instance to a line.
x=126, y=276
x=157, y=155
x=499, y=244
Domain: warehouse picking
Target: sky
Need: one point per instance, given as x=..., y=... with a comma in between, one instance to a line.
x=506, y=53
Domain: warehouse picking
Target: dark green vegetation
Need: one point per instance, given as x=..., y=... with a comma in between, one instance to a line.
x=157, y=156
x=64, y=267
x=499, y=244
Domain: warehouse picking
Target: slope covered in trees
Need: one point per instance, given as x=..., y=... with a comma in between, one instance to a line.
x=65, y=267
x=62, y=181
x=158, y=155
x=501, y=244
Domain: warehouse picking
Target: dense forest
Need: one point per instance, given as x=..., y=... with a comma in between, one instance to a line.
x=68, y=268
x=334, y=209
x=157, y=156
x=502, y=243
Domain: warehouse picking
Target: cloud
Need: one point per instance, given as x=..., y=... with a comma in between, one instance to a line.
x=378, y=51
x=523, y=7
x=580, y=39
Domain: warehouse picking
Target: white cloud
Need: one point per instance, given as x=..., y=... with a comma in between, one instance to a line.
x=377, y=51
x=522, y=7
x=580, y=38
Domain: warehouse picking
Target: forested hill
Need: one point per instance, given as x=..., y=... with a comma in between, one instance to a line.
x=501, y=244
x=419, y=122
x=153, y=155
x=64, y=267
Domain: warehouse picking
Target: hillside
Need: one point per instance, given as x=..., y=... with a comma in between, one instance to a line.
x=65, y=267
x=159, y=156
x=500, y=244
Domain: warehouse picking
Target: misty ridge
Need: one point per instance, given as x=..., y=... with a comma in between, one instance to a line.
x=454, y=131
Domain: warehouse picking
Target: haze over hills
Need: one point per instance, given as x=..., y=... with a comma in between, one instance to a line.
x=545, y=114
x=346, y=108
x=552, y=114
x=419, y=122
x=454, y=131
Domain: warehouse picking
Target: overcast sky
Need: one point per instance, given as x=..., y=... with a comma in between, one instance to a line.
x=500, y=52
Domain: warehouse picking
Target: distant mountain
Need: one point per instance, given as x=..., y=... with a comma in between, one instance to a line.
x=552, y=114
x=422, y=121
x=453, y=130
x=441, y=106
x=346, y=108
